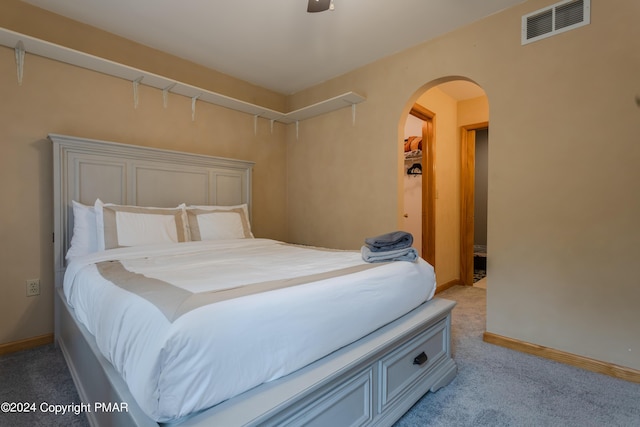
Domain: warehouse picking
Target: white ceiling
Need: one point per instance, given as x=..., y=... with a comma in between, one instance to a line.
x=461, y=89
x=276, y=44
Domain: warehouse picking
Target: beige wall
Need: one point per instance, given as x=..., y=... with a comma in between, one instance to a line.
x=59, y=98
x=563, y=174
x=563, y=178
x=473, y=111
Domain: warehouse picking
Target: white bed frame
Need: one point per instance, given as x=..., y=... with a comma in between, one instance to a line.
x=373, y=381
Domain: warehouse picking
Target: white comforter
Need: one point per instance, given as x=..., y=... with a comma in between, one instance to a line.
x=217, y=351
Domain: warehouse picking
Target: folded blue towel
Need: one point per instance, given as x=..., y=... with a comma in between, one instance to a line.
x=405, y=254
x=389, y=241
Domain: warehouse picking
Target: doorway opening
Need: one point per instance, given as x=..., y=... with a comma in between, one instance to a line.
x=446, y=208
x=474, y=150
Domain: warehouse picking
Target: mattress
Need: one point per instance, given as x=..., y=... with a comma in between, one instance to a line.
x=190, y=325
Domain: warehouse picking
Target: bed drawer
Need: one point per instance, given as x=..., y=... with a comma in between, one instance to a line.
x=410, y=362
x=349, y=405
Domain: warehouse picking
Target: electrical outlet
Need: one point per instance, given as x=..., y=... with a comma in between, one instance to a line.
x=33, y=287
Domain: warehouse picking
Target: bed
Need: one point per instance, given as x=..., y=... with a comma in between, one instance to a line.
x=304, y=336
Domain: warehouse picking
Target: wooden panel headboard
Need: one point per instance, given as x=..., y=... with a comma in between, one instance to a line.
x=87, y=169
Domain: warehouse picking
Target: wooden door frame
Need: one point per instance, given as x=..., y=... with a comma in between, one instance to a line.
x=428, y=182
x=467, y=193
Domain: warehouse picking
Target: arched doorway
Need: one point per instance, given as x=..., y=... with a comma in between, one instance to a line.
x=453, y=104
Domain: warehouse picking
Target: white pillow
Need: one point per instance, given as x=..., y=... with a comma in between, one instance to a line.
x=218, y=222
x=120, y=225
x=84, y=240
x=97, y=206
x=243, y=206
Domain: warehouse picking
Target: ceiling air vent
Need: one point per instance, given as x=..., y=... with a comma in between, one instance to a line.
x=555, y=19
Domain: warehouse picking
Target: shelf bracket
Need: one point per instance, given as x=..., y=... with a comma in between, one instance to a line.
x=272, y=120
x=20, y=60
x=353, y=114
x=193, y=107
x=297, y=129
x=255, y=124
x=136, y=84
x=165, y=95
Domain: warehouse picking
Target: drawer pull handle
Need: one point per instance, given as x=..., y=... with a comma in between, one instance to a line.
x=420, y=359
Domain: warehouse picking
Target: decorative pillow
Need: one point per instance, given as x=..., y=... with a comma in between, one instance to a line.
x=84, y=240
x=244, y=207
x=120, y=225
x=218, y=222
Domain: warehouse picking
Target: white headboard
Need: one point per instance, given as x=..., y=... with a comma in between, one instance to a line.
x=86, y=169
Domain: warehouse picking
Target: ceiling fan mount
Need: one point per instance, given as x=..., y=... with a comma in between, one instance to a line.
x=319, y=5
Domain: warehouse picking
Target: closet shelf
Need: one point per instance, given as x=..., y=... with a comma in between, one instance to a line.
x=413, y=155
x=81, y=59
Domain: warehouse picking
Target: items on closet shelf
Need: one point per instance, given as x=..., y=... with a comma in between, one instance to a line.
x=413, y=143
x=413, y=151
x=394, y=246
x=415, y=169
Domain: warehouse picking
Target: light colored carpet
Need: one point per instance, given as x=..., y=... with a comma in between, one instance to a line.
x=482, y=283
x=496, y=386
x=38, y=376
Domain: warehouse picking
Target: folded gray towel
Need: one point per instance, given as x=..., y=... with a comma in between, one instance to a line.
x=389, y=241
x=405, y=254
